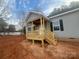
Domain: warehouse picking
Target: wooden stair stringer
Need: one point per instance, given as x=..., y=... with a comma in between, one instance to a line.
x=50, y=38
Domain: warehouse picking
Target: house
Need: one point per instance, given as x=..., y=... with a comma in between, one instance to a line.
x=38, y=27
x=66, y=24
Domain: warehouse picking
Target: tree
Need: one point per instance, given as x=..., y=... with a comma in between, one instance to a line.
x=3, y=25
x=74, y=4
x=4, y=9
x=64, y=8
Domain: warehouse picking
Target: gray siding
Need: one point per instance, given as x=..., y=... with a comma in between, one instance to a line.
x=71, y=25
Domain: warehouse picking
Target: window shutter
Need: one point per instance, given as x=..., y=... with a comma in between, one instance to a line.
x=61, y=25
x=51, y=26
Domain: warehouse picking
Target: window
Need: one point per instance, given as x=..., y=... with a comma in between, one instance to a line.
x=56, y=28
x=58, y=25
x=36, y=27
x=29, y=29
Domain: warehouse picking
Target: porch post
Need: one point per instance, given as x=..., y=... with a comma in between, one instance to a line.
x=42, y=43
x=32, y=31
x=42, y=26
x=32, y=26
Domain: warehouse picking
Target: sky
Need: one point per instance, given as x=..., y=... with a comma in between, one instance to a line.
x=18, y=8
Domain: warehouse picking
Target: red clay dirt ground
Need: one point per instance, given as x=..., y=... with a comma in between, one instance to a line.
x=15, y=47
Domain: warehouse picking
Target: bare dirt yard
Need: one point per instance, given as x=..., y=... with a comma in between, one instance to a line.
x=15, y=47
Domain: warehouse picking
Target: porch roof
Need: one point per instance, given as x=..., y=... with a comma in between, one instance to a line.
x=35, y=16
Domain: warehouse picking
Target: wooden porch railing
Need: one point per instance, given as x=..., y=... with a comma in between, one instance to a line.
x=47, y=35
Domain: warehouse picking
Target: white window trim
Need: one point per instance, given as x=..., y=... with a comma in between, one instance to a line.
x=56, y=25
